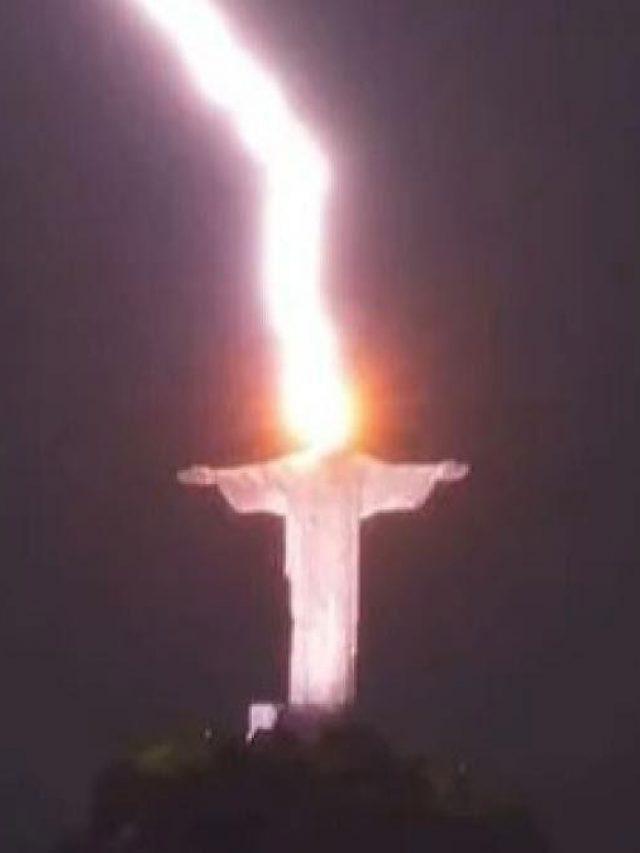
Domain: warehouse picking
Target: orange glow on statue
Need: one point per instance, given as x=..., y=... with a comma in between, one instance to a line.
x=324, y=491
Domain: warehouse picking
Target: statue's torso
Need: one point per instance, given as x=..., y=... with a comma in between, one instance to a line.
x=323, y=518
x=321, y=541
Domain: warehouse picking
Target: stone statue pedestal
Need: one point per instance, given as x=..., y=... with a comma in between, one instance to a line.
x=306, y=723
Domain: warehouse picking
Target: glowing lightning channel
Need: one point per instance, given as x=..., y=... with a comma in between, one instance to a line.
x=317, y=405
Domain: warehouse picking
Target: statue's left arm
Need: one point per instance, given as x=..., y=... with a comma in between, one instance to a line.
x=388, y=487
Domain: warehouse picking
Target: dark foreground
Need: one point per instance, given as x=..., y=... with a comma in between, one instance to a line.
x=344, y=790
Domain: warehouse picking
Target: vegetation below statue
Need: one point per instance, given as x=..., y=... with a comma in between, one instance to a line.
x=346, y=790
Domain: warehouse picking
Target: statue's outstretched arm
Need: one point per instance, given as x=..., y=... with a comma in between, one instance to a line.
x=388, y=487
x=451, y=472
x=197, y=475
x=248, y=488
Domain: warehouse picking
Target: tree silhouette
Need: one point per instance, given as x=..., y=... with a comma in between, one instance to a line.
x=342, y=790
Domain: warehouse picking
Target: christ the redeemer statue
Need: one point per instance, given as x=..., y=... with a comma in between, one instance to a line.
x=323, y=500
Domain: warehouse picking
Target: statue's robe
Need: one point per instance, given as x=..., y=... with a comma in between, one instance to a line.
x=323, y=504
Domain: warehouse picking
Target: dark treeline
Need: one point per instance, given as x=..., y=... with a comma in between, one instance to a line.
x=344, y=790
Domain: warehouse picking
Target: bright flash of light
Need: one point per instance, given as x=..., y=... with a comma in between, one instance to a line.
x=316, y=399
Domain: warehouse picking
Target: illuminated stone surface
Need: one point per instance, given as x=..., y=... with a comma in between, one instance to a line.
x=323, y=502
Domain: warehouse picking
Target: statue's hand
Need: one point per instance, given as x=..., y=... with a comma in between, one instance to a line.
x=197, y=475
x=451, y=471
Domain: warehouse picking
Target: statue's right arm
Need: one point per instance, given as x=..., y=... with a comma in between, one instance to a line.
x=197, y=475
x=248, y=488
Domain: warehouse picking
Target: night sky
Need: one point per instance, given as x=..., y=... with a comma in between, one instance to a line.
x=483, y=270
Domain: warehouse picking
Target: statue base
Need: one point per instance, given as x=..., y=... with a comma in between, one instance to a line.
x=305, y=722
